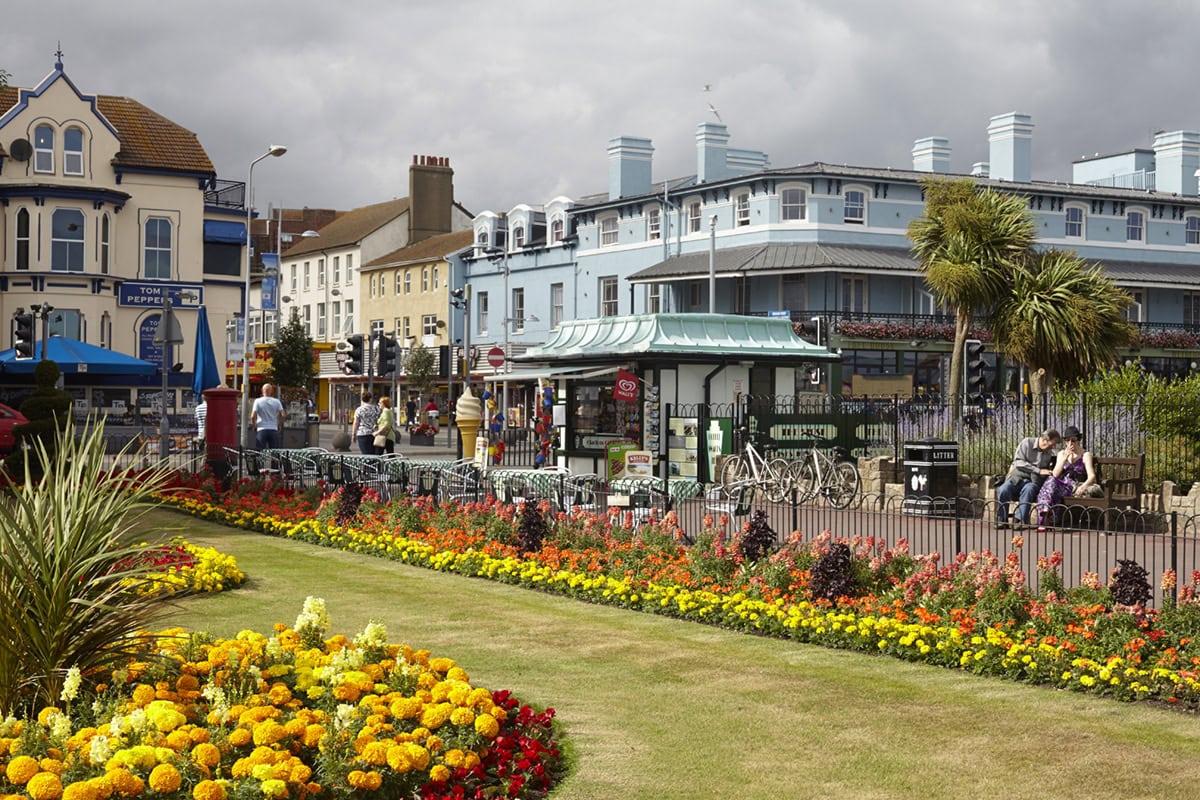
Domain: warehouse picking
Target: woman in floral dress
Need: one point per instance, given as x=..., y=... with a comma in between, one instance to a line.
x=1074, y=475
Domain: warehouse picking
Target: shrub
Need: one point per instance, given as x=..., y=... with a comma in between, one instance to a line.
x=758, y=540
x=833, y=574
x=533, y=529
x=1130, y=584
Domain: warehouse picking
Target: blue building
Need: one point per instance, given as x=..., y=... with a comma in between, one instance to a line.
x=826, y=245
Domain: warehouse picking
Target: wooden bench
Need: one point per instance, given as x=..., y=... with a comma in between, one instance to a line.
x=1122, y=481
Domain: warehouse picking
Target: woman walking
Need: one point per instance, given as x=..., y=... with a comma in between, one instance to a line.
x=366, y=417
x=385, y=429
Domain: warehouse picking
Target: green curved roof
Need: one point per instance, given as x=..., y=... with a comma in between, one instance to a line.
x=693, y=337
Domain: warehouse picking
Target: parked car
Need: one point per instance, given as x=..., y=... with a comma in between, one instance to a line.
x=9, y=419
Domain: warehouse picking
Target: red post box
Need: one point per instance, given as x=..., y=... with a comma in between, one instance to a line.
x=220, y=428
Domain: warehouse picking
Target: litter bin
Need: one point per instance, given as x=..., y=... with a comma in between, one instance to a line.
x=931, y=478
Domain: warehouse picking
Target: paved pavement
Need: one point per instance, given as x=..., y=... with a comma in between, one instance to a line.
x=444, y=447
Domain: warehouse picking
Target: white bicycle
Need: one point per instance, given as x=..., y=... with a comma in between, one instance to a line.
x=820, y=473
x=767, y=475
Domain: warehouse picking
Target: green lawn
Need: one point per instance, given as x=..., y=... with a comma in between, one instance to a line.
x=657, y=708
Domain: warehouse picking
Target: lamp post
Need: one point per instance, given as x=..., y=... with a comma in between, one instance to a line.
x=712, y=264
x=274, y=150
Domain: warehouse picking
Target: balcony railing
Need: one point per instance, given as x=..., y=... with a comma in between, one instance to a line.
x=226, y=194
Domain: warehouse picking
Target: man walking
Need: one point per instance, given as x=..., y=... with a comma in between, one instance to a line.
x=1029, y=468
x=267, y=415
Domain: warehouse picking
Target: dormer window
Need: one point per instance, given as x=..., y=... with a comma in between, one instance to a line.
x=794, y=205
x=556, y=229
x=482, y=240
x=73, y=152
x=518, y=236
x=43, y=149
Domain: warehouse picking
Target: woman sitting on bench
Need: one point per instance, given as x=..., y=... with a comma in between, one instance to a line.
x=1074, y=475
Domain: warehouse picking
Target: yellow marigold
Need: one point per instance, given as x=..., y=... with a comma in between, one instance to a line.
x=80, y=790
x=52, y=765
x=209, y=790
x=199, y=735
x=274, y=788
x=46, y=714
x=439, y=772
x=187, y=683
x=102, y=787
x=398, y=758
x=268, y=732
x=143, y=695
x=206, y=754
x=357, y=779
x=313, y=735
x=486, y=725
x=239, y=737
x=300, y=772
x=434, y=717
x=418, y=755
x=44, y=786
x=457, y=674
x=165, y=779
x=441, y=664
x=21, y=769
x=295, y=727
x=462, y=716
x=125, y=782
x=179, y=740
x=346, y=692
x=470, y=760
x=405, y=707
x=375, y=754
x=279, y=694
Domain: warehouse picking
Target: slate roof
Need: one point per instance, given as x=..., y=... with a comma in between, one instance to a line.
x=351, y=227
x=148, y=139
x=680, y=337
x=434, y=247
x=780, y=258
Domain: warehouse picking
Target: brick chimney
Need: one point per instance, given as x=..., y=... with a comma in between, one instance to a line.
x=430, y=197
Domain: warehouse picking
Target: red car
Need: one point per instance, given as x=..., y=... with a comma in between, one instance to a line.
x=9, y=419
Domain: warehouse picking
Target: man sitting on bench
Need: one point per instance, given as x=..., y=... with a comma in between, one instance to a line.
x=1032, y=462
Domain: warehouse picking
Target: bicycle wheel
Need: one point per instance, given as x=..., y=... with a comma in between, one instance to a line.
x=735, y=472
x=775, y=481
x=844, y=484
x=804, y=480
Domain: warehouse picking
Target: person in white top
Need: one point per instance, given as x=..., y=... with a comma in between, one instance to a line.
x=267, y=415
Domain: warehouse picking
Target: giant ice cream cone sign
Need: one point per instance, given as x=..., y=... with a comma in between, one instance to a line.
x=468, y=417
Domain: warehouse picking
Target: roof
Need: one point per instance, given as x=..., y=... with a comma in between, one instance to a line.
x=688, y=337
x=780, y=258
x=351, y=227
x=148, y=139
x=434, y=247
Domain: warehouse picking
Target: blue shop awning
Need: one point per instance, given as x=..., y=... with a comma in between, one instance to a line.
x=216, y=230
x=73, y=356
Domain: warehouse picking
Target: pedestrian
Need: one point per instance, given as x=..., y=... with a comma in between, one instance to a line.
x=385, y=428
x=432, y=413
x=268, y=415
x=1074, y=475
x=366, y=416
x=410, y=412
x=1029, y=468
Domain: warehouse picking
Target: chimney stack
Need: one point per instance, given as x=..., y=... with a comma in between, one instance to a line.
x=1176, y=158
x=931, y=154
x=629, y=162
x=430, y=197
x=712, y=142
x=1010, y=147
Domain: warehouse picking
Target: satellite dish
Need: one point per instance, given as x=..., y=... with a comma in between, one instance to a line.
x=21, y=149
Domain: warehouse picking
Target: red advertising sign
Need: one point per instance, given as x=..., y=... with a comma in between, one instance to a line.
x=626, y=386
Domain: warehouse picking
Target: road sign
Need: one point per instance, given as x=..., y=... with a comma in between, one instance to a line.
x=496, y=357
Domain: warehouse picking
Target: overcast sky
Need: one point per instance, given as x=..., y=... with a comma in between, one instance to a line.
x=523, y=97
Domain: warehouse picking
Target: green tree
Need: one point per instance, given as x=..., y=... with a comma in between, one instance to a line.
x=1062, y=319
x=421, y=367
x=968, y=242
x=48, y=410
x=292, y=357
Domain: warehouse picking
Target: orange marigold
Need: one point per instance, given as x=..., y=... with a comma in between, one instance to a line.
x=21, y=769
x=44, y=786
x=165, y=778
x=209, y=790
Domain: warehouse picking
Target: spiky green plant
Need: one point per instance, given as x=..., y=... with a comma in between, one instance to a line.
x=68, y=598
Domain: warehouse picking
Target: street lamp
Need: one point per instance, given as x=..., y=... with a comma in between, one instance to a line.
x=506, y=320
x=274, y=150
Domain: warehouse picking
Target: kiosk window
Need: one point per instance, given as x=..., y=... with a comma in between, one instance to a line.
x=598, y=414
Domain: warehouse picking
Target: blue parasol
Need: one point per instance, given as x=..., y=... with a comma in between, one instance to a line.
x=205, y=375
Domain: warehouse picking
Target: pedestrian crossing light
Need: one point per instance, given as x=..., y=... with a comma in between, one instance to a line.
x=353, y=364
x=974, y=368
x=23, y=335
x=385, y=360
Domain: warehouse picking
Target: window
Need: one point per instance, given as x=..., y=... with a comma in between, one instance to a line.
x=1074, y=222
x=1193, y=230
x=794, y=206
x=854, y=295
x=66, y=240
x=307, y=275
x=43, y=149
x=481, y=239
x=106, y=331
x=349, y=268
x=335, y=322
x=320, y=273
x=399, y=282
x=1191, y=309
x=158, y=248
x=654, y=298
x=23, y=238
x=855, y=211
x=320, y=319
x=374, y=284
x=308, y=320
x=608, y=231
x=425, y=279
x=792, y=293
x=293, y=278
x=73, y=152
x=518, y=236
x=408, y=281
x=654, y=224
x=382, y=284
x=429, y=325
x=556, y=229
x=927, y=304
x=105, y=242
x=1133, y=312
x=481, y=312
x=433, y=281
x=376, y=328
x=608, y=296
x=1135, y=226
x=518, y=310
x=743, y=208
x=695, y=294
x=407, y=328
x=66, y=322
x=348, y=325
x=337, y=270
x=399, y=327
x=556, y=305
x=693, y=217
x=741, y=300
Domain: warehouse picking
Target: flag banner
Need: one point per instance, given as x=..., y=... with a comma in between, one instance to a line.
x=626, y=387
x=270, y=292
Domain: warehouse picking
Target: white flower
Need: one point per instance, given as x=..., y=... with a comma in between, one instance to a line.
x=101, y=750
x=373, y=636
x=344, y=717
x=71, y=684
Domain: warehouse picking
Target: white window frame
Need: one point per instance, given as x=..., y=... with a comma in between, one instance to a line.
x=408, y=281
x=1135, y=225
x=293, y=278
x=610, y=231
x=158, y=249
x=72, y=158
x=654, y=298
x=518, y=310
x=852, y=295
x=307, y=320
x=349, y=268
x=105, y=243
x=481, y=313
x=407, y=322
x=558, y=228
x=854, y=213
x=1133, y=312
x=424, y=279
x=694, y=214
x=320, y=273
x=43, y=150
x=376, y=328
x=1079, y=225
x=1191, y=226
x=429, y=325
x=374, y=285
x=1191, y=309
x=307, y=275
x=433, y=279
x=795, y=208
x=321, y=320
x=337, y=270
x=742, y=205
x=518, y=237
x=609, y=294
x=556, y=305
x=654, y=224
x=24, y=223
x=335, y=318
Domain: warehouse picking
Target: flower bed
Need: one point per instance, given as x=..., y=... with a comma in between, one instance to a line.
x=180, y=566
x=976, y=613
x=292, y=715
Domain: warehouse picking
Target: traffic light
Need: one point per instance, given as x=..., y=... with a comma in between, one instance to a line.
x=23, y=335
x=385, y=356
x=353, y=365
x=973, y=371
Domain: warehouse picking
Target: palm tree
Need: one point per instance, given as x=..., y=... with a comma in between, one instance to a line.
x=968, y=242
x=1063, y=319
